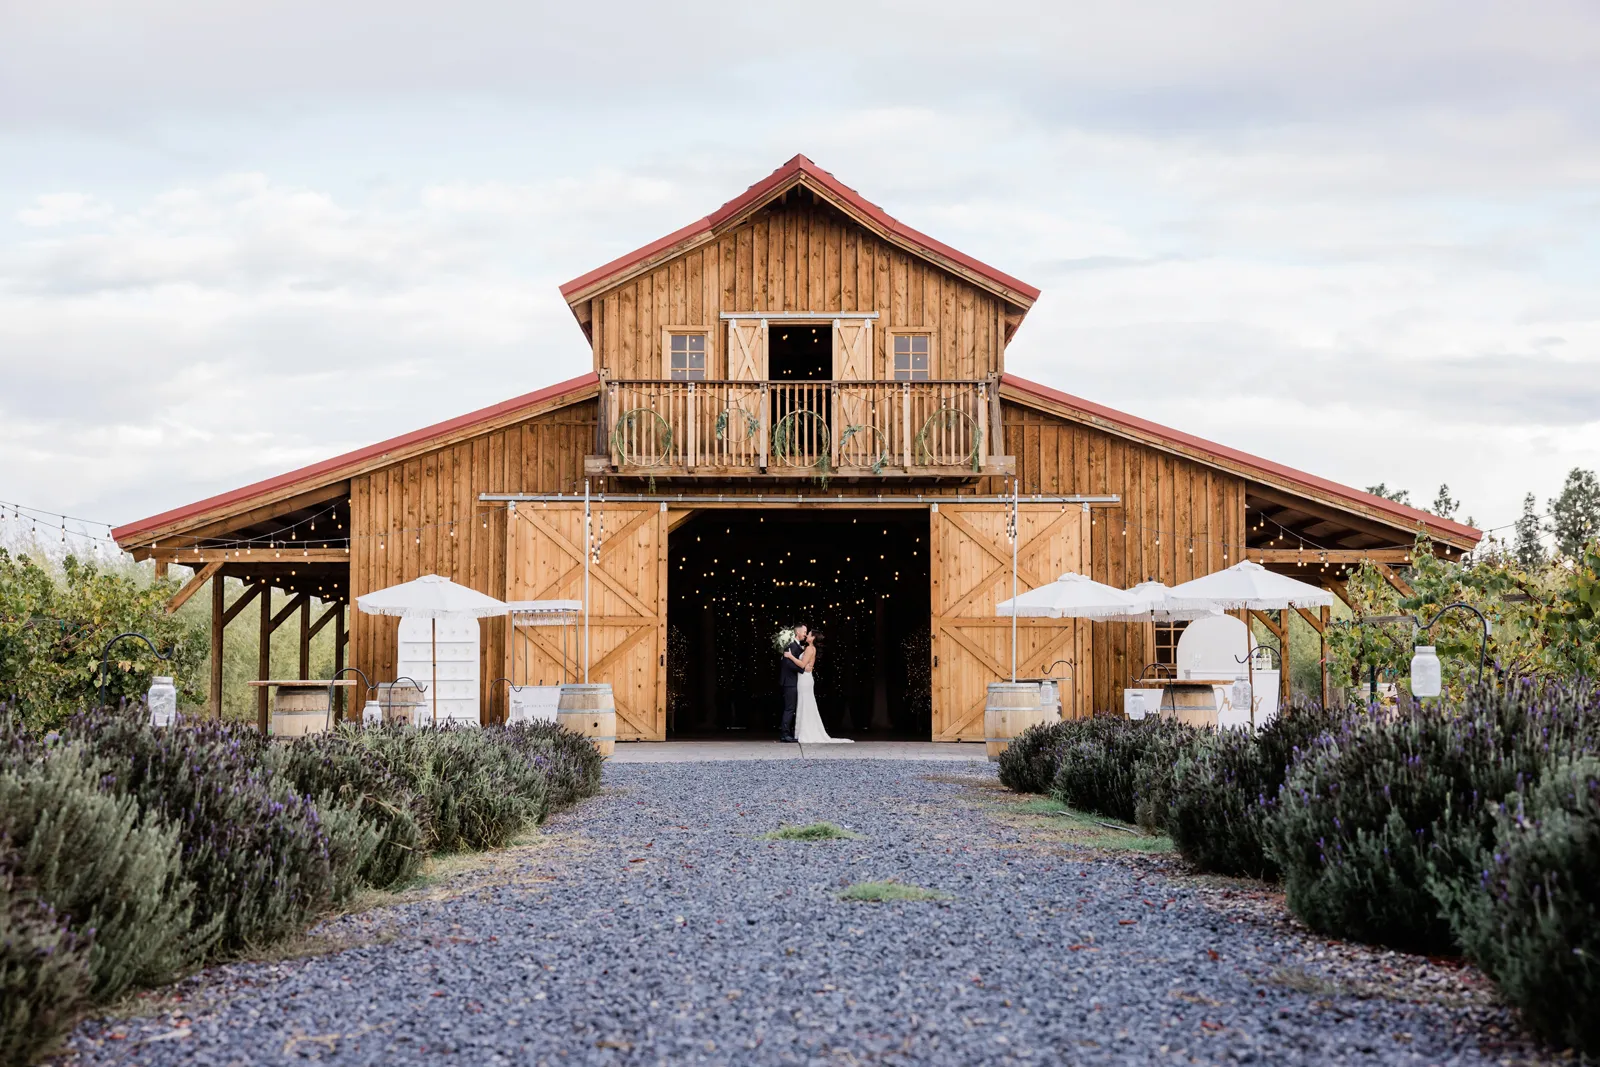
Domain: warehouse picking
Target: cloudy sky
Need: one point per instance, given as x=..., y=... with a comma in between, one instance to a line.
x=1361, y=238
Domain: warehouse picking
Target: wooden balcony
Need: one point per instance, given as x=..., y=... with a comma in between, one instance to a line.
x=798, y=429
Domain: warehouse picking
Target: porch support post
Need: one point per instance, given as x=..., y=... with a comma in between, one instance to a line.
x=264, y=657
x=339, y=638
x=305, y=639
x=218, y=621
x=1326, y=618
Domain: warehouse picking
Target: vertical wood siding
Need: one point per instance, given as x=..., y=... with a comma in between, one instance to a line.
x=805, y=257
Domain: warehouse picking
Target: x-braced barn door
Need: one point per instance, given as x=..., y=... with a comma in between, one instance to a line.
x=627, y=602
x=971, y=573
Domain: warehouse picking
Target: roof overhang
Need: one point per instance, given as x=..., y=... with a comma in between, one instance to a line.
x=1275, y=476
x=329, y=478
x=797, y=172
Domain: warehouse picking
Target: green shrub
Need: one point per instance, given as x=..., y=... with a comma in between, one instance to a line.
x=44, y=971
x=477, y=793
x=255, y=849
x=569, y=761
x=1387, y=815
x=111, y=873
x=1030, y=761
x=1218, y=795
x=1533, y=921
x=338, y=769
x=1108, y=763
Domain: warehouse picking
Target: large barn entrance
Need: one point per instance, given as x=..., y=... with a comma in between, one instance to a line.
x=858, y=576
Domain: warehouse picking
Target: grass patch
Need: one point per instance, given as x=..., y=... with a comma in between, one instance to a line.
x=881, y=892
x=1057, y=822
x=817, y=831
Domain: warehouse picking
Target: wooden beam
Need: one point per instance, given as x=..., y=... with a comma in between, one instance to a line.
x=161, y=570
x=284, y=554
x=1316, y=623
x=243, y=602
x=288, y=609
x=676, y=519
x=325, y=618
x=1400, y=584
x=1266, y=620
x=192, y=586
x=1313, y=556
x=219, y=619
x=340, y=635
x=305, y=637
x=1340, y=590
x=1391, y=531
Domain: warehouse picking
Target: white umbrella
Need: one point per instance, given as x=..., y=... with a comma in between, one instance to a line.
x=1074, y=596
x=1159, y=596
x=1250, y=586
x=431, y=597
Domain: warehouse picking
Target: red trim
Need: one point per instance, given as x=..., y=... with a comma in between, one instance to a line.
x=1411, y=516
x=329, y=469
x=799, y=166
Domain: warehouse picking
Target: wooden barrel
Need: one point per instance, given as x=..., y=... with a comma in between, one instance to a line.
x=1011, y=709
x=590, y=711
x=298, y=711
x=1192, y=704
x=400, y=703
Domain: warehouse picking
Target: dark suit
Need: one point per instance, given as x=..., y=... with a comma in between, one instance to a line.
x=789, y=678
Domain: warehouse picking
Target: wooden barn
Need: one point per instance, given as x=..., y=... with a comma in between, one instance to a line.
x=798, y=409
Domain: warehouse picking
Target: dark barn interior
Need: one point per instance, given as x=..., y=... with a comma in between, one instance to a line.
x=858, y=576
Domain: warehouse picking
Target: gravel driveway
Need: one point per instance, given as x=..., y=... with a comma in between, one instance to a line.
x=658, y=926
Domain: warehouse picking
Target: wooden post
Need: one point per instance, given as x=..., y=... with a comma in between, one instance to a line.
x=339, y=638
x=264, y=658
x=691, y=447
x=161, y=568
x=766, y=424
x=1326, y=616
x=905, y=423
x=983, y=424
x=1283, y=662
x=218, y=621
x=305, y=639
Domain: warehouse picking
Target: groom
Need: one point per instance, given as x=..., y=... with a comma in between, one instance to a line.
x=791, y=670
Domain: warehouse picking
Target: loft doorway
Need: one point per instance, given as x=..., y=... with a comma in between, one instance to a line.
x=858, y=576
x=802, y=413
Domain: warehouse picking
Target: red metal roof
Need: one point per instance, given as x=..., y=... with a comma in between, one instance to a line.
x=798, y=167
x=1270, y=471
x=331, y=470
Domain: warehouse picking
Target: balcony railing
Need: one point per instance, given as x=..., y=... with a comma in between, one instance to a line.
x=797, y=428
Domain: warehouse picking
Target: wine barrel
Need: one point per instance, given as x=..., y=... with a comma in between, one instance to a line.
x=590, y=711
x=403, y=703
x=298, y=711
x=1012, y=708
x=1195, y=705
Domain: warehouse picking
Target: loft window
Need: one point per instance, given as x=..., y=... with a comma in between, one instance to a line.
x=910, y=357
x=686, y=357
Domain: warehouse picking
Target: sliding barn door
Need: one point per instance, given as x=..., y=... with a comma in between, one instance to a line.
x=971, y=573
x=627, y=603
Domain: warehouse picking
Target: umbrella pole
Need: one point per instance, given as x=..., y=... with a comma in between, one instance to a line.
x=434, y=627
x=1016, y=535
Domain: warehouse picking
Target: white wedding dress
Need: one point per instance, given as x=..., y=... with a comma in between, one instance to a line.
x=808, y=720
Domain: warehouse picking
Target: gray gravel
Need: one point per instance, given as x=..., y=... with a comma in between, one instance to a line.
x=670, y=932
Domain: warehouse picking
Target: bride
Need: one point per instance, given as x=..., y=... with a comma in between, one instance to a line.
x=808, y=725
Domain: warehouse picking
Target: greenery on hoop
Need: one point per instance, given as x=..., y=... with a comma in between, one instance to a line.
x=786, y=443
x=633, y=425
x=948, y=418
x=751, y=423
x=881, y=460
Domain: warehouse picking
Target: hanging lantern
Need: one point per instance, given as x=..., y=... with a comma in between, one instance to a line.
x=1426, y=680
x=162, y=700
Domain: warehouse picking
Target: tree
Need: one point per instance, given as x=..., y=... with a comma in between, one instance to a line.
x=1444, y=505
x=1399, y=496
x=1526, y=546
x=1575, y=514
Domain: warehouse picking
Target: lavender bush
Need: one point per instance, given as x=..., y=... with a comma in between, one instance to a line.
x=569, y=762
x=1532, y=920
x=114, y=875
x=256, y=850
x=1030, y=762
x=1107, y=764
x=1384, y=816
x=44, y=970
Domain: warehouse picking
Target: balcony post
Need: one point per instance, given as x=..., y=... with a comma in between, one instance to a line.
x=692, y=447
x=905, y=423
x=766, y=425
x=834, y=425
x=606, y=428
x=983, y=425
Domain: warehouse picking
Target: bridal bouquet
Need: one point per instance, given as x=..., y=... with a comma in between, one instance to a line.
x=783, y=639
